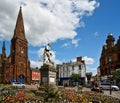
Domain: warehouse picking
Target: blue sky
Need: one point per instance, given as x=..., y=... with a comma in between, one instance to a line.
x=73, y=27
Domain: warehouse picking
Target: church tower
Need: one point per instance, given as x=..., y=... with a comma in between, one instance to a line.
x=110, y=41
x=19, y=52
x=3, y=50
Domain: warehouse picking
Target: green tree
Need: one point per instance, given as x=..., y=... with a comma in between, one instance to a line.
x=76, y=78
x=116, y=75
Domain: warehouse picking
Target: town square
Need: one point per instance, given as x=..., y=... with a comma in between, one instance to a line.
x=59, y=51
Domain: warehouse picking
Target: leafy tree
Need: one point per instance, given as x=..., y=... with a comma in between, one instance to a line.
x=75, y=77
x=116, y=75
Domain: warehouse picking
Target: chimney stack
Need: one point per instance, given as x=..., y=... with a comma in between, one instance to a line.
x=79, y=59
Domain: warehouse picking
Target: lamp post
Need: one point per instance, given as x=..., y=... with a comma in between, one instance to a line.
x=110, y=60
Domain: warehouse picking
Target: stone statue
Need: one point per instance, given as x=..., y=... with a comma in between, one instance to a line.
x=47, y=55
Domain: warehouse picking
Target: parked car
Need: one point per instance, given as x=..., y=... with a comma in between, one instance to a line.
x=107, y=86
x=118, y=84
x=18, y=85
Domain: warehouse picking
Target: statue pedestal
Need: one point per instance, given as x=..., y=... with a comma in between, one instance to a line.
x=48, y=75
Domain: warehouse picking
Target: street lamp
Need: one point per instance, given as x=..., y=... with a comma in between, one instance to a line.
x=110, y=60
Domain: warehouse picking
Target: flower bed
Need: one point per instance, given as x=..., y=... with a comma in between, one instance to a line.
x=87, y=96
x=12, y=95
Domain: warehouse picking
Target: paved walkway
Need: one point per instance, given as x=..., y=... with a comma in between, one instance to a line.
x=32, y=86
x=106, y=92
x=114, y=93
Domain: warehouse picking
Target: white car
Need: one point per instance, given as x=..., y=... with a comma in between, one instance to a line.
x=107, y=86
x=18, y=85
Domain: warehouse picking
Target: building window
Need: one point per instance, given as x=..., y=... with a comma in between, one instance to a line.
x=59, y=69
x=60, y=74
x=63, y=68
x=66, y=68
x=63, y=74
x=73, y=68
x=80, y=67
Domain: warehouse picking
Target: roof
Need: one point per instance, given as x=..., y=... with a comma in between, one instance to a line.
x=71, y=63
x=35, y=69
x=19, y=28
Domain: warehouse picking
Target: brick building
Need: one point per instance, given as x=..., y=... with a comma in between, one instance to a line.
x=16, y=67
x=36, y=76
x=110, y=56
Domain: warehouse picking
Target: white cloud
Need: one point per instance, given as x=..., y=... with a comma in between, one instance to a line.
x=96, y=34
x=35, y=64
x=74, y=60
x=66, y=44
x=69, y=43
x=93, y=70
x=1, y=36
x=40, y=54
x=88, y=60
x=75, y=42
x=45, y=20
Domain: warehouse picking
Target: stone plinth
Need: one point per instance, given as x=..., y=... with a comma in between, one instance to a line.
x=48, y=74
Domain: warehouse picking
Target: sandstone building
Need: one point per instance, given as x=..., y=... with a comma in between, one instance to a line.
x=16, y=67
x=110, y=56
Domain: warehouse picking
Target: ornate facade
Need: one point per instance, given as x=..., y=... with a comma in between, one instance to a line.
x=16, y=67
x=110, y=56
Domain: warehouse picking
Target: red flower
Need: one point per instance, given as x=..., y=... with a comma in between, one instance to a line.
x=9, y=98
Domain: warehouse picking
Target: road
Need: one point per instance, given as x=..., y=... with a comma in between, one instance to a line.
x=107, y=92
x=114, y=93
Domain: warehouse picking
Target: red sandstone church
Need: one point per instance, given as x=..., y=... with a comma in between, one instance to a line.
x=16, y=67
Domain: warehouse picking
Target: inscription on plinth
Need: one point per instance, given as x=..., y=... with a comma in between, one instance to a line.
x=48, y=74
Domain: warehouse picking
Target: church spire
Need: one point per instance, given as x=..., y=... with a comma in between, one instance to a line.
x=19, y=28
x=3, y=50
